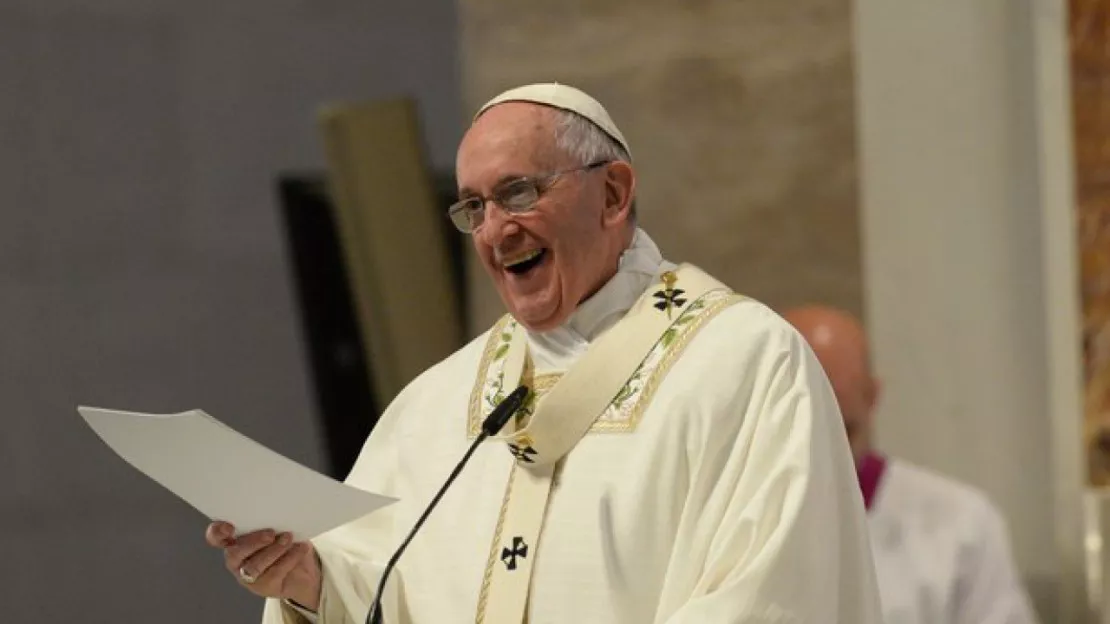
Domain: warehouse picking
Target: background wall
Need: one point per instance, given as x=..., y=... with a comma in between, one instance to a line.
x=954, y=180
x=141, y=264
x=740, y=116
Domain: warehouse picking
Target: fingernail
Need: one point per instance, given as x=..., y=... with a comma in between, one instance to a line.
x=284, y=539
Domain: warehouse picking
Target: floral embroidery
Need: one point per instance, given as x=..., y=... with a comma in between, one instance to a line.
x=628, y=405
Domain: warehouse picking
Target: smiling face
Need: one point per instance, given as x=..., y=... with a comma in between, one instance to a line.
x=546, y=261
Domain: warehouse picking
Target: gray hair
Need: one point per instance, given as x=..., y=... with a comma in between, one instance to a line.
x=586, y=143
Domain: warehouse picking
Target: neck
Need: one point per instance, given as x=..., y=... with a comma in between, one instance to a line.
x=612, y=263
x=601, y=281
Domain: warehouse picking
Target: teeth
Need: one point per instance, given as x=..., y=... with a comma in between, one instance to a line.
x=524, y=257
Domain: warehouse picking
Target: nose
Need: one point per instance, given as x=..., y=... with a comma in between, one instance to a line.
x=497, y=226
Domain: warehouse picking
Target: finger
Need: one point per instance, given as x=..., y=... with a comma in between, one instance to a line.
x=257, y=564
x=220, y=534
x=245, y=546
x=275, y=575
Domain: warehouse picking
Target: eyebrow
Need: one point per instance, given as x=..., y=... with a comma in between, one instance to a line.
x=467, y=192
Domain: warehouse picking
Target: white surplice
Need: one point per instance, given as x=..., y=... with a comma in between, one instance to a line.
x=730, y=497
x=942, y=552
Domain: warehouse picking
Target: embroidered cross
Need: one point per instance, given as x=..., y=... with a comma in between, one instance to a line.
x=670, y=297
x=522, y=453
x=509, y=556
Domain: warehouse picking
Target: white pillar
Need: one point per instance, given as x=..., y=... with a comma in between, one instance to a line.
x=1062, y=303
x=964, y=157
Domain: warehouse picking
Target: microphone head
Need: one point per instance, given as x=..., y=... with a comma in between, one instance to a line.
x=504, y=411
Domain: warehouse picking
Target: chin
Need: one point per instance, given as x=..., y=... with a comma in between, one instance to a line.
x=545, y=325
x=536, y=323
x=539, y=319
x=540, y=310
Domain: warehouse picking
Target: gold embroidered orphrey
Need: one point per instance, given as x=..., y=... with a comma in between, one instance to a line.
x=654, y=343
x=631, y=399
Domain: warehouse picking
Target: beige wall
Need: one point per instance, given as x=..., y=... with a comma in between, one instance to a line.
x=740, y=115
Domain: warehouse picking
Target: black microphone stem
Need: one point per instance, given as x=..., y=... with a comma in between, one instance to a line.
x=493, y=423
x=375, y=614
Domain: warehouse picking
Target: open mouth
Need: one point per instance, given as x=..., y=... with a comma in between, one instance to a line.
x=525, y=262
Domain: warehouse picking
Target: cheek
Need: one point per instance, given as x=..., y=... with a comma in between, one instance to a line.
x=481, y=249
x=577, y=242
x=572, y=263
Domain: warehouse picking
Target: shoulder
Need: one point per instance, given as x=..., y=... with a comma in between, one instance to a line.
x=932, y=489
x=938, y=498
x=746, y=326
x=748, y=344
x=465, y=357
x=445, y=374
x=746, y=359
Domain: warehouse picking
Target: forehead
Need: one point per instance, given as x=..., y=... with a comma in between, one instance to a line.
x=514, y=138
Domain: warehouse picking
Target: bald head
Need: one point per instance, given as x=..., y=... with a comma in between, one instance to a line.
x=836, y=336
x=840, y=344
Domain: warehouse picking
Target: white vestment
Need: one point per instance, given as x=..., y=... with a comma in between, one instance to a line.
x=942, y=552
x=723, y=490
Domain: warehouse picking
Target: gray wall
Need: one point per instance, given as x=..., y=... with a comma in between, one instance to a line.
x=142, y=264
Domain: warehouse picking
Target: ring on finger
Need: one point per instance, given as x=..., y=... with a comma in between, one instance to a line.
x=245, y=576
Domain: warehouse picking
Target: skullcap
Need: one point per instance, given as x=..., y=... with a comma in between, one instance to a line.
x=566, y=98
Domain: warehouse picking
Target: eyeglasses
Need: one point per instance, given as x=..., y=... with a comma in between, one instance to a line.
x=515, y=197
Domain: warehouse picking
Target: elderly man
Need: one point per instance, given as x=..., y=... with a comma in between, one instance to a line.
x=941, y=549
x=681, y=460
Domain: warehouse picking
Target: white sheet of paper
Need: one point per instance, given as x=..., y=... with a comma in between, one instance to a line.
x=228, y=476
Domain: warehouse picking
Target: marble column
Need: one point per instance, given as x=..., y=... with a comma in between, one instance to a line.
x=1090, y=65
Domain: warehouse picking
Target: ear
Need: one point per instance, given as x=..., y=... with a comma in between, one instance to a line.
x=875, y=390
x=620, y=188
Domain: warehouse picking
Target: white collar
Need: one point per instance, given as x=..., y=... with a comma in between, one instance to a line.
x=638, y=266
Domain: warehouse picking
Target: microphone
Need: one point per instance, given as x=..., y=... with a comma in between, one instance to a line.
x=490, y=426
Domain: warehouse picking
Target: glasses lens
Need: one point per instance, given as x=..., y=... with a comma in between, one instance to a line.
x=519, y=196
x=462, y=224
x=466, y=215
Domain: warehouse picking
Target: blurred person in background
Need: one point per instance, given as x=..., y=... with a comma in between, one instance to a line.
x=941, y=548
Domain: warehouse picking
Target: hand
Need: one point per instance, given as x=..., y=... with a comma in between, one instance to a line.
x=280, y=567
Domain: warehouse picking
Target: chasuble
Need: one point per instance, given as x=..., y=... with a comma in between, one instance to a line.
x=714, y=484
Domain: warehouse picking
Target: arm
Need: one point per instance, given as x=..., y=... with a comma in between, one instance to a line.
x=775, y=530
x=989, y=589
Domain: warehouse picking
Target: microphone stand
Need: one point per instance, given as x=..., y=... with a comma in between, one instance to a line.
x=493, y=423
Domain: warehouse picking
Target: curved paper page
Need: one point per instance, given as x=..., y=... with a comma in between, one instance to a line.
x=227, y=476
